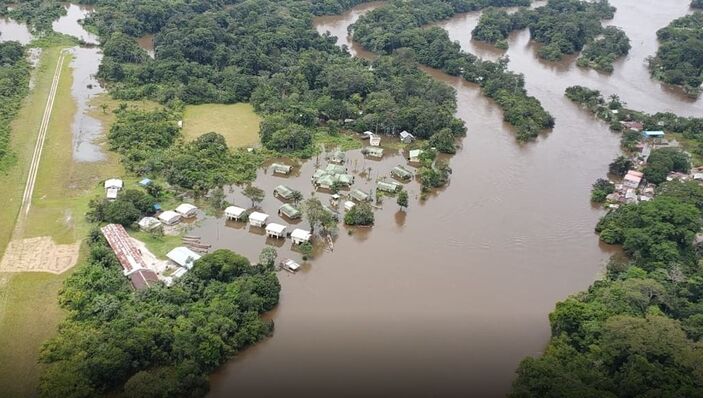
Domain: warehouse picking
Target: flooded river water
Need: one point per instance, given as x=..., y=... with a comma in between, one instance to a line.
x=446, y=300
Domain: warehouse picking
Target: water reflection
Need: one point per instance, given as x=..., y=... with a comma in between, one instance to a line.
x=86, y=129
x=70, y=23
x=14, y=31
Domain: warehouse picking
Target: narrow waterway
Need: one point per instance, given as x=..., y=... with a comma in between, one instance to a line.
x=446, y=300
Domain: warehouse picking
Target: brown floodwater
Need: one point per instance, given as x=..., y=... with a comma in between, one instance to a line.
x=86, y=128
x=147, y=43
x=446, y=299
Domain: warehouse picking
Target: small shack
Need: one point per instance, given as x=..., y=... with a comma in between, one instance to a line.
x=337, y=157
x=186, y=210
x=374, y=140
x=632, y=179
x=374, y=152
x=388, y=186
x=289, y=211
x=401, y=172
x=406, y=137
x=335, y=169
x=279, y=168
x=290, y=265
x=325, y=182
x=234, y=213
x=276, y=230
x=149, y=224
x=169, y=217
x=349, y=205
x=299, y=236
x=113, y=183
x=145, y=182
x=183, y=257
x=111, y=193
x=257, y=219
x=414, y=155
x=359, y=195
x=283, y=192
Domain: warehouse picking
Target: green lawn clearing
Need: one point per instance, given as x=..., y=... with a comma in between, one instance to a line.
x=236, y=122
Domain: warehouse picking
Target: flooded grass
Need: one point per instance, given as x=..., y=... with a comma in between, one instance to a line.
x=343, y=141
x=64, y=186
x=236, y=122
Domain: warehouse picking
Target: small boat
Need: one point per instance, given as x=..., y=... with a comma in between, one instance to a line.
x=290, y=265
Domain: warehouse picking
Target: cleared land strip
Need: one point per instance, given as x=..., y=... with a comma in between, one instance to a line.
x=41, y=137
x=38, y=254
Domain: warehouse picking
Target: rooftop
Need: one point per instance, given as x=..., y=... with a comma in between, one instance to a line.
x=183, y=256
x=276, y=228
x=257, y=216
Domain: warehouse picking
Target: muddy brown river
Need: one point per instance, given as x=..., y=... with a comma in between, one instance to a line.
x=447, y=299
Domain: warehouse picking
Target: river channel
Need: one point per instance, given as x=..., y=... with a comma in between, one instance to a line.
x=446, y=300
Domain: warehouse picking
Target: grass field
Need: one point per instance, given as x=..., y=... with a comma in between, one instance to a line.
x=30, y=316
x=236, y=122
x=23, y=138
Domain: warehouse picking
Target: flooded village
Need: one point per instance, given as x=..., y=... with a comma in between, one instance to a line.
x=476, y=265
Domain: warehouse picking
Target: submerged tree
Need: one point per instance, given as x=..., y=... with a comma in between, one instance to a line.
x=402, y=199
x=256, y=195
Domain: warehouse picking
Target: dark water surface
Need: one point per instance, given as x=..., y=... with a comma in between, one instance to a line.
x=447, y=299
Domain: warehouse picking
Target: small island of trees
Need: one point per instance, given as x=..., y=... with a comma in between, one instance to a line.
x=679, y=57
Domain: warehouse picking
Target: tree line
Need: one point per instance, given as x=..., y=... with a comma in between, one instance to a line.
x=14, y=85
x=400, y=24
x=159, y=342
x=679, y=57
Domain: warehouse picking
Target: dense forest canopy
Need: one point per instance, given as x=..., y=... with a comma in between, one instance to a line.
x=267, y=52
x=14, y=82
x=601, y=52
x=400, y=24
x=162, y=341
x=679, y=57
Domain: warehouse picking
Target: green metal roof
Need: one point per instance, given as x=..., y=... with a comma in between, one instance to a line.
x=359, y=195
x=284, y=191
x=290, y=211
x=401, y=172
x=387, y=186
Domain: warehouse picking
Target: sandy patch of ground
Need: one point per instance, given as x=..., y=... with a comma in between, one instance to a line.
x=39, y=255
x=152, y=262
